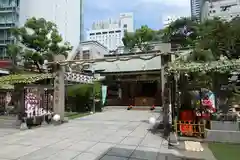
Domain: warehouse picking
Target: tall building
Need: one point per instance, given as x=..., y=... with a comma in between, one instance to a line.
x=66, y=14
x=9, y=14
x=225, y=9
x=110, y=32
x=81, y=21
x=196, y=8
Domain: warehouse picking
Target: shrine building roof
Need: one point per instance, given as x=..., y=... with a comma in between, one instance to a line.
x=126, y=64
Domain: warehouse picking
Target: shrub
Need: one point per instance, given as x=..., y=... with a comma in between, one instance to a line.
x=80, y=97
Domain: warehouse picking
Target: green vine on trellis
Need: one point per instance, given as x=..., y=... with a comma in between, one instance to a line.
x=24, y=78
x=220, y=66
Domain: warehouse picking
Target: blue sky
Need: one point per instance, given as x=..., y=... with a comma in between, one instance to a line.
x=149, y=12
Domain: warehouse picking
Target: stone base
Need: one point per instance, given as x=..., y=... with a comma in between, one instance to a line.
x=65, y=120
x=173, y=139
x=222, y=136
x=57, y=122
x=225, y=125
x=23, y=126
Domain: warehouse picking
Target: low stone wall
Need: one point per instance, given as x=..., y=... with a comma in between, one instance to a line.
x=222, y=136
x=225, y=125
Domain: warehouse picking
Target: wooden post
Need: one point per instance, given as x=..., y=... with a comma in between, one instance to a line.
x=163, y=85
x=59, y=89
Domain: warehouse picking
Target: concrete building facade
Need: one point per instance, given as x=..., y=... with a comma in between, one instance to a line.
x=89, y=50
x=66, y=14
x=225, y=9
x=9, y=14
x=110, y=32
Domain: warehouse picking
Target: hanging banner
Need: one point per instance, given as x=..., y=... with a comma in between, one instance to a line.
x=212, y=99
x=104, y=94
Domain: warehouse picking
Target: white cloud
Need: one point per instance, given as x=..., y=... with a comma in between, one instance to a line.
x=181, y=3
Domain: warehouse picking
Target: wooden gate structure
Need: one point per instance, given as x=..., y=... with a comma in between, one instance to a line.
x=60, y=61
x=60, y=76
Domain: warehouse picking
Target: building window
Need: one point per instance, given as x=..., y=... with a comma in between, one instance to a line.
x=77, y=56
x=86, y=54
x=85, y=67
x=125, y=26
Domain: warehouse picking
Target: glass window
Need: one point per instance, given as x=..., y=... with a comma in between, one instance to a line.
x=86, y=54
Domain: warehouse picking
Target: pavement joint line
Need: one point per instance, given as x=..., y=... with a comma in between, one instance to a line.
x=41, y=148
x=123, y=140
x=139, y=143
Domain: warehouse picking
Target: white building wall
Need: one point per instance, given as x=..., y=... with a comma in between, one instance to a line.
x=65, y=13
x=225, y=9
x=127, y=19
x=110, y=32
x=95, y=50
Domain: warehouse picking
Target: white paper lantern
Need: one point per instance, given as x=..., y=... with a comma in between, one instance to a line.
x=152, y=120
x=56, y=117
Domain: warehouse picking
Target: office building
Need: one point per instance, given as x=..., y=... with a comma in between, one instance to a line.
x=224, y=9
x=66, y=14
x=110, y=32
x=196, y=8
x=9, y=13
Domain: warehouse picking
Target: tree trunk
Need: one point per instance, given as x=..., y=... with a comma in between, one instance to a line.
x=38, y=66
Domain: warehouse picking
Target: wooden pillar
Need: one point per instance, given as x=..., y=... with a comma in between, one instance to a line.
x=59, y=89
x=163, y=81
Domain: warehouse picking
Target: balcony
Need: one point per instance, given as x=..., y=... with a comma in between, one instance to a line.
x=7, y=25
x=8, y=9
x=5, y=42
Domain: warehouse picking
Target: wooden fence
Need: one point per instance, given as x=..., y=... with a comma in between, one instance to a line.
x=190, y=128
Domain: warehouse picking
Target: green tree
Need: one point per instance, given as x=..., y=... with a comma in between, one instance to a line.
x=144, y=35
x=183, y=31
x=141, y=39
x=41, y=41
x=221, y=37
x=14, y=52
x=129, y=41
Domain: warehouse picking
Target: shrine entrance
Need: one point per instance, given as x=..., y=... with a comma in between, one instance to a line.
x=141, y=91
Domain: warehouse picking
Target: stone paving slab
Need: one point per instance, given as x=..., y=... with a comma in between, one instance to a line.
x=110, y=135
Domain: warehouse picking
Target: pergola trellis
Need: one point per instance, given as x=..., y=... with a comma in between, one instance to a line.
x=24, y=78
x=222, y=66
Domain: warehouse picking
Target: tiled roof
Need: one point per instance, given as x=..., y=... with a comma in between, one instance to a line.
x=145, y=63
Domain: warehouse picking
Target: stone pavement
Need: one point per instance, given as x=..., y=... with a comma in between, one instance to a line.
x=110, y=135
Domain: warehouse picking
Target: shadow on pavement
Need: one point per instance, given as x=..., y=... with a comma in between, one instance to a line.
x=121, y=153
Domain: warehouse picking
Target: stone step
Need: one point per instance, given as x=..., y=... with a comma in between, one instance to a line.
x=8, y=122
x=140, y=108
x=146, y=108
